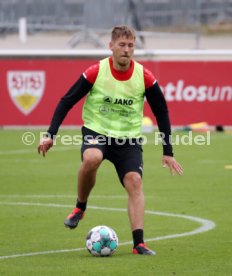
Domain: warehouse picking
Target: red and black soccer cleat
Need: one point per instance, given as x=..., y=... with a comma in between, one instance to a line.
x=142, y=249
x=73, y=219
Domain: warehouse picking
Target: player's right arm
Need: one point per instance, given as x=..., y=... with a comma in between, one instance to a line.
x=73, y=96
x=80, y=89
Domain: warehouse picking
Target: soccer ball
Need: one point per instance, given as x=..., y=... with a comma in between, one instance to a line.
x=101, y=241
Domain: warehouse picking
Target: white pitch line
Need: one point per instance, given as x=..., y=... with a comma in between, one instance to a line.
x=19, y=151
x=34, y=150
x=210, y=161
x=21, y=160
x=206, y=225
x=66, y=196
x=40, y=253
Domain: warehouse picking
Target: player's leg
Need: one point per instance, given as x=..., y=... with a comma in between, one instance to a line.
x=129, y=165
x=92, y=156
x=133, y=184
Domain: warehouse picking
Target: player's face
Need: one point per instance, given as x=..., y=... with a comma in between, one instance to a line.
x=122, y=49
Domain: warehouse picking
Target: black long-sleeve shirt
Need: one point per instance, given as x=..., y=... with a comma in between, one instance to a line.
x=81, y=88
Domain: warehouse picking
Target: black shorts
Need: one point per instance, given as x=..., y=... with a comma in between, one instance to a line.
x=125, y=154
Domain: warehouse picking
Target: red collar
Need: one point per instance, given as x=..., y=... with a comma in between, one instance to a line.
x=121, y=75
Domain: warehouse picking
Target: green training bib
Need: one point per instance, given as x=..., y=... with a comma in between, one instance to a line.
x=115, y=108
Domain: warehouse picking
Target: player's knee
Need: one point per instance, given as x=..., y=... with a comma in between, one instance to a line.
x=133, y=182
x=92, y=159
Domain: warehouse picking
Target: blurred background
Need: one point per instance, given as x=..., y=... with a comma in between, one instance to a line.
x=45, y=45
x=61, y=24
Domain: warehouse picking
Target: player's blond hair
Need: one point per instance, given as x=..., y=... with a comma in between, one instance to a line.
x=122, y=30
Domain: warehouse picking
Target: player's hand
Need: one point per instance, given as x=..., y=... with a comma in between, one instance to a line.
x=173, y=165
x=44, y=145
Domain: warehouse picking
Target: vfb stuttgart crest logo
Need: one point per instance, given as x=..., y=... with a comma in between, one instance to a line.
x=26, y=89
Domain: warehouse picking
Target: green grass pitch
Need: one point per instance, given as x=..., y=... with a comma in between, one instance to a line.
x=36, y=194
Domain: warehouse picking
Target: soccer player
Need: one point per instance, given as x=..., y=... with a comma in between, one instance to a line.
x=112, y=115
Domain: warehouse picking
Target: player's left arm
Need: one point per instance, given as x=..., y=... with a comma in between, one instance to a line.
x=159, y=108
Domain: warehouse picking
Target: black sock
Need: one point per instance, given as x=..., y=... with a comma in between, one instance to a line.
x=137, y=236
x=81, y=205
